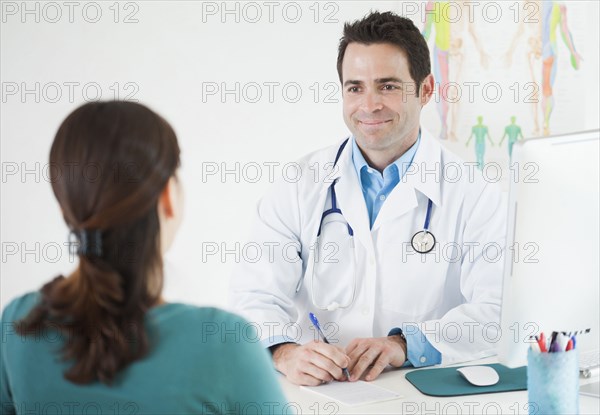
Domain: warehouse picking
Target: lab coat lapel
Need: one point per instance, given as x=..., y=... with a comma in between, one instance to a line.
x=351, y=200
x=424, y=175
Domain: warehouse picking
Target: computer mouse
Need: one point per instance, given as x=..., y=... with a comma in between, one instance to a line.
x=479, y=375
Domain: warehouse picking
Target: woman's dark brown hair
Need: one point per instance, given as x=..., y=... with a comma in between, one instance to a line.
x=109, y=163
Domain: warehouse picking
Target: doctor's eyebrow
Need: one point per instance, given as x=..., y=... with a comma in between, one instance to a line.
x=388, y=79
x=352, y=82
x=377, y=81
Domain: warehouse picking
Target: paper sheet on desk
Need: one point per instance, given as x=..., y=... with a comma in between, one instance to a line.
x=354, y=393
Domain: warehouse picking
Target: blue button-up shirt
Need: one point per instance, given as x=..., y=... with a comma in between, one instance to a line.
x=376, y=188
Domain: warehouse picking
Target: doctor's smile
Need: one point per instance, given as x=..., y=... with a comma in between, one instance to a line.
x=373, y=126
x=370, y=123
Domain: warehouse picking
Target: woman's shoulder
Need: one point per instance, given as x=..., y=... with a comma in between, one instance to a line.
x=206, y=322
x=190, y=312
x=204, y=333
x=19, y=307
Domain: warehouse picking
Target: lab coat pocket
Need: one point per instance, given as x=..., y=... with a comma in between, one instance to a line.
x=331, y=276
x=414, y=283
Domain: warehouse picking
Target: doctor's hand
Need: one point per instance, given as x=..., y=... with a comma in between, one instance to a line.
x=312, y=363
x=377, y=352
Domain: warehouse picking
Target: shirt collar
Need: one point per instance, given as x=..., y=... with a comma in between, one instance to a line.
x=402, y=163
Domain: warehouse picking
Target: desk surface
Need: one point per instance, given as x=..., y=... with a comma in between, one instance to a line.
x=414, y=402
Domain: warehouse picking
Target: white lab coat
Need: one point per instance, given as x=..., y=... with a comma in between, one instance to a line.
x=451, y=294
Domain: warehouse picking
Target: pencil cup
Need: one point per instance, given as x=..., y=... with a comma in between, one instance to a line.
x=553, y=382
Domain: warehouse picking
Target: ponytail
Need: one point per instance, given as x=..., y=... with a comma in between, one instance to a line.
x=99, y=310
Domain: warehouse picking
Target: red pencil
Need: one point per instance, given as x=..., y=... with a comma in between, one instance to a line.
x=542, y=343
x=569, y=345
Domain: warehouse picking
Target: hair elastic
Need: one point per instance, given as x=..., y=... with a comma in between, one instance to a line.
x=90, y=242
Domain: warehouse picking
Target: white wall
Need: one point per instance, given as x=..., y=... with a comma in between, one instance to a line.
x=169, y=59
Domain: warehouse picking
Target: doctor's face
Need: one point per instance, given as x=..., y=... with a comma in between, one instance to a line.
x=381, y=106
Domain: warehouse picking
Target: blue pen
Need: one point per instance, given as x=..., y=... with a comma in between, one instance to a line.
x=315, y=323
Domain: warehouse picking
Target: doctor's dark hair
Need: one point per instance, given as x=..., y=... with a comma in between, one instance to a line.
x=392, y=29
x=109, y=164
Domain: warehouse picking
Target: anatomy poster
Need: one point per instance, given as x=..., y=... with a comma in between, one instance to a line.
x=506, y=71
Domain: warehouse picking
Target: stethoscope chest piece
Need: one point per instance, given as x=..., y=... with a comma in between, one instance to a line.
x=423, y=241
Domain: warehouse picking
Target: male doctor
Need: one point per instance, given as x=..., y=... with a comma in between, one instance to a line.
x=383, y=296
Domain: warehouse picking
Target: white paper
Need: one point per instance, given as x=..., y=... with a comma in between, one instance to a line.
x=354, y=393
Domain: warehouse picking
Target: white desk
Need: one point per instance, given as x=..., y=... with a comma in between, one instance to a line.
x=414, y=402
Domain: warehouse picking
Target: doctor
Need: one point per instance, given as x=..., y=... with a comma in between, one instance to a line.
x=396, y=250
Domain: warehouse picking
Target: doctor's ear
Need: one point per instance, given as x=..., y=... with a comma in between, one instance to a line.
x=426, y=90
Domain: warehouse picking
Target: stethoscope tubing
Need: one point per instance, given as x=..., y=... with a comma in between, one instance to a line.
x=335, y=209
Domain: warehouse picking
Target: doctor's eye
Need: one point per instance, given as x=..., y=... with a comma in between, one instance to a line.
x=390, y=87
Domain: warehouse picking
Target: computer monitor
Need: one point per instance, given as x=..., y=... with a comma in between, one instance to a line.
x=551, y=269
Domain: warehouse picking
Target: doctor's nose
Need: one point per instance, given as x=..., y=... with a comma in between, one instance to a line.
x=371, y=102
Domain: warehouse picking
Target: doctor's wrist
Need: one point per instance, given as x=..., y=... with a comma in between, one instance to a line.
x=398, y=336
x=279, y=352
x=273, y=348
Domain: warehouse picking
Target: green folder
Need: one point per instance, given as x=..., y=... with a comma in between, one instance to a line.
x=448, y=381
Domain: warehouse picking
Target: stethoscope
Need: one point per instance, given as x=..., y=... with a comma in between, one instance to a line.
x=422, y=242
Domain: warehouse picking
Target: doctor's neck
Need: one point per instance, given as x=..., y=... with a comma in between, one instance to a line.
x=379, y=157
